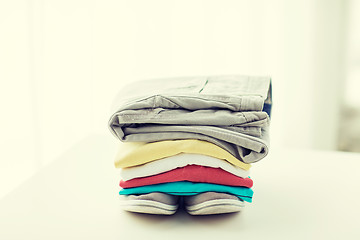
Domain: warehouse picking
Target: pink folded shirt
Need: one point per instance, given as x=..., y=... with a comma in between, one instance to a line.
x=192, y=173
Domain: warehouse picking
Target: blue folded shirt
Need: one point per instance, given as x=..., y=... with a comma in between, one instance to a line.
x=189, y=188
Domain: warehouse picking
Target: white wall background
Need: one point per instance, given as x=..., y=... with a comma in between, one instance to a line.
x=62, y=62
x=351, y=93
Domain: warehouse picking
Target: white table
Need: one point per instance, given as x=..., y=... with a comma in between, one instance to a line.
x=298, y=195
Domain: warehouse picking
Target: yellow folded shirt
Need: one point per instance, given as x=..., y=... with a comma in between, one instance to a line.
x=132, y=154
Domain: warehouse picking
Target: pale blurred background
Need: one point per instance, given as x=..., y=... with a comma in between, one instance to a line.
x=62, y=62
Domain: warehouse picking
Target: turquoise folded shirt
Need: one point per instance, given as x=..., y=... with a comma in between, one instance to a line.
x=189, y=188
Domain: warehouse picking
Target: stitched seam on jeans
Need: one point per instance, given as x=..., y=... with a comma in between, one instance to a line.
x=151, y=117
x=170, y=101
x=215, y=97
x=245, y=117
x=221, y=99
x=200, y=98
x=241, y=102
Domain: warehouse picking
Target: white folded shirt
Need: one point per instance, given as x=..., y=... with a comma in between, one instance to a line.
x=180, y=160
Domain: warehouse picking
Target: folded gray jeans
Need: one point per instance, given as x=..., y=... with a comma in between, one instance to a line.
x=224, y=110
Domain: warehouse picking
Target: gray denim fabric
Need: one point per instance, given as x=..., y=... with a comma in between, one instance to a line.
x=224, y=110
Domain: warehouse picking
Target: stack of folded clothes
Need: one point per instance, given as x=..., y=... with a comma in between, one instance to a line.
x=190, y=140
